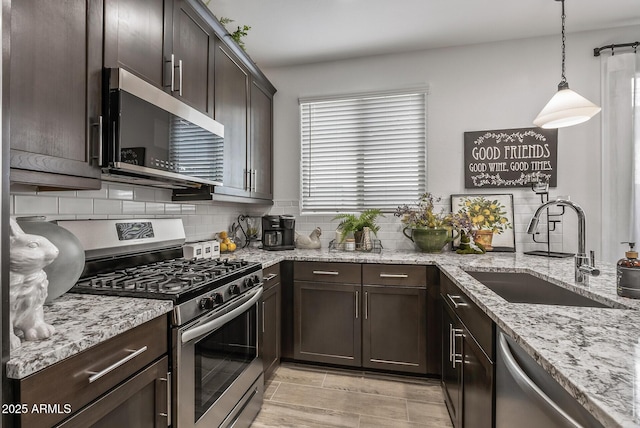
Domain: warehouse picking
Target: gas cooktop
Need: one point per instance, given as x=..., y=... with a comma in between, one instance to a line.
x=175, y=279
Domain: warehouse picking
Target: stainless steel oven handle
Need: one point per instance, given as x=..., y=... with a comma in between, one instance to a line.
x=218, y=322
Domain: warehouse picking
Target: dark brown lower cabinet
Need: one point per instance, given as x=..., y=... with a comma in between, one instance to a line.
x=394, y=328
x=467, y=359
x=139, y=402
x=270, y=319
x=452, y=365
x=121, y=382
x=327, y=325
x=477, y=392
x=361, y=315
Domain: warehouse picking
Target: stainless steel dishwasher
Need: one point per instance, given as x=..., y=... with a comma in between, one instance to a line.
x=528, y=397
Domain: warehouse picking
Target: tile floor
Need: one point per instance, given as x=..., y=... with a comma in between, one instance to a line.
x=301, y=396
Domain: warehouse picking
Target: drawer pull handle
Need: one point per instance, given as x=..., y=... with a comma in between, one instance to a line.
x=270, y=277
x=456, y=305
x=325, y=272
x=394, y=275
x=95, y=376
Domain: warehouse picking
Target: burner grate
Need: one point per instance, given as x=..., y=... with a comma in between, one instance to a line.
x=165, y=277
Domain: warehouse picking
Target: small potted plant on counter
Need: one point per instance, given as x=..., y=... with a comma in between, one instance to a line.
x=430, y=231
x=360, y=226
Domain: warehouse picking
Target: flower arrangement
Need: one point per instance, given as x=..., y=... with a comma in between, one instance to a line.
x=423, y=216
x=485, y=214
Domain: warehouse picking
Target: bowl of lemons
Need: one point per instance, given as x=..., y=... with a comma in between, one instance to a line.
x=226, y=244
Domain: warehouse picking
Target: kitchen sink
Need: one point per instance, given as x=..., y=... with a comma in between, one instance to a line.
x=516, y=287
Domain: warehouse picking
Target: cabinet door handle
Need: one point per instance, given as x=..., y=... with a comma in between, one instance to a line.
x=254, y=180
x=168, y=413
x=180, y=76
x=325, y=272
x=455, y=357
x=394, y=275
x=356, y=304
x=270, y=277
x=456, y=305
x=247, y=176
x=366, y=305
x=263, y=317
x=99, y=125
x=450, y=342
x=172, y=65
x=95, y=376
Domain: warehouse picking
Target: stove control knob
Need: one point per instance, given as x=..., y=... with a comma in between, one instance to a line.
x=255, y=279
x=208, y=303
x=248, y=283
x=234, y=289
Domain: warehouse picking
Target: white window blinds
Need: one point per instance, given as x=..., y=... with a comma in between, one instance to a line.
x=363, y=152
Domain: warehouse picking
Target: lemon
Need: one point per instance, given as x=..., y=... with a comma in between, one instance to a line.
x=231, y=246
x=223, y=235
x=223, y=247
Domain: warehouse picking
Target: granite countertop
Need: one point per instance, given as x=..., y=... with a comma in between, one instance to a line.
x=81, y=321
x=594, y=353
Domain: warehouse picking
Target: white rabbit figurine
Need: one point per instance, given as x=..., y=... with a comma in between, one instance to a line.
x=28, y=255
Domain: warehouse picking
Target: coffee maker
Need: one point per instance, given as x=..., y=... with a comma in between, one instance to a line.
x=278, y=232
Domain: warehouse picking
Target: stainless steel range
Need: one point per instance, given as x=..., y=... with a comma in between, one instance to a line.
x=216, y=372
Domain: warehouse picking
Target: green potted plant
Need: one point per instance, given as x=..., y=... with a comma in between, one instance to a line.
x=429, y=230
x=356, y=224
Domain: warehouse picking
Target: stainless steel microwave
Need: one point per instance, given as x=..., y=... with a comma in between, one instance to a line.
x=152, y=138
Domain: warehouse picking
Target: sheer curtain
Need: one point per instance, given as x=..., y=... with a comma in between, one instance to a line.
x=620, y=153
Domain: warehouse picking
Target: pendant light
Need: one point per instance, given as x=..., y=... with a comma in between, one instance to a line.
x=566, y=107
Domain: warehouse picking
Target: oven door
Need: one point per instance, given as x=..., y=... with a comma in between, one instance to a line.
x=218, y=372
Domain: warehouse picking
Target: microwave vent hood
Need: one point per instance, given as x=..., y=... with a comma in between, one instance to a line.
x=152, y=138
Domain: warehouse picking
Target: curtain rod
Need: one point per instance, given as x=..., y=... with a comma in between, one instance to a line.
x=634, y=45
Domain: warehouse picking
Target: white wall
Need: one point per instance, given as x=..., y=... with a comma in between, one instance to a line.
x=480, y=87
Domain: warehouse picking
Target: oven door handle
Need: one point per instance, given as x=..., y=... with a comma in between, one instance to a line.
x=216, y=323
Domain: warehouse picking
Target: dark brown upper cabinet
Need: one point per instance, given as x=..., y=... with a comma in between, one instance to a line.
x=261, y=141
x=166, y=42
x=54, y=93
x=232, y=110
x=244, y=105
x=192, y=51
x=135, y=36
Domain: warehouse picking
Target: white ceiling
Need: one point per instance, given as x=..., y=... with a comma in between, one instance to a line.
x=287, y=32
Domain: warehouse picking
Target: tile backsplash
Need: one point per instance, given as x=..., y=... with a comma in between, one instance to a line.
x=203, y=219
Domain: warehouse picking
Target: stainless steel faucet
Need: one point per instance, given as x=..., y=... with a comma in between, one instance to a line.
x=585, y=265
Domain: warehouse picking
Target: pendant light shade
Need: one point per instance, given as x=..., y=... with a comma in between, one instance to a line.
x=566, y=107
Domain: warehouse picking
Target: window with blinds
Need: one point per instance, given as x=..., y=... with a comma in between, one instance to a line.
x=362, y=152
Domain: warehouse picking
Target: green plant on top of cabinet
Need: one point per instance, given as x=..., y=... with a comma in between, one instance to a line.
x=54, y=93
